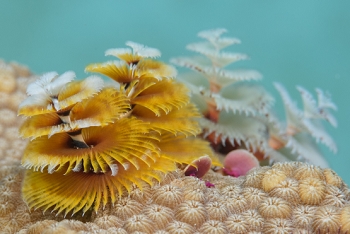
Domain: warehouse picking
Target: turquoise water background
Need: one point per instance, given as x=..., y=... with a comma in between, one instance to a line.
x=296, y=42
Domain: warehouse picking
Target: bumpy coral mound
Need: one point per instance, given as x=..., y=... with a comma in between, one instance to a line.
x=14, y=80
x=14, y=213
x=284, y=198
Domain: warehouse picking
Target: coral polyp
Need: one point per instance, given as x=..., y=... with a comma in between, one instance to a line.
x=92, y=140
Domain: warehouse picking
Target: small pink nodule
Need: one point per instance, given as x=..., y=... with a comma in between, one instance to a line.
x=239, y=162
x=209, y=184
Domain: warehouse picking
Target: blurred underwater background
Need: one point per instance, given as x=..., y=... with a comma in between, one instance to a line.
x=304, y=43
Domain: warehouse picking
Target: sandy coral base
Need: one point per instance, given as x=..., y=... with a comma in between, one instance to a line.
x=234, y=205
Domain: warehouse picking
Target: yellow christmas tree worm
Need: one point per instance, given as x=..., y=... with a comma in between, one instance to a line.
x=92, y=141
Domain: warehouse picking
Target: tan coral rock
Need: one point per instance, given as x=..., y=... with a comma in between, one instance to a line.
x=7, y=117
x=13, y=222
x=189, y=181
x=168, y=195
x=222, y=182
x=6, y=207
x=346, y=192
x=334, y=197
x=332, y=178
x=213, y=194
x=279, y=214
x=15, y=153
x=139, y=223
x=4, y=145
x=92, y=228
x=125, y=208
x=326, y=220
x=236, y=224
x=195, y=195
x=11, y=133
x=213, y=227
x=59, y=229
x=345, y=219
x=108, y=221
x=161, y=232
x=2, y=129
x=272, y=178
x=7, y=77
x=311, y=191
x=116, y=231
x=40, y=226
x=308, y=171
x=254, y=220
x=216, y=211
x=7, y=193
x=231, y=190
x=20, y=70
x=171, y=177
x=274, y=207
x=13, y=76
x=277, y=225
x=17, y=146
x=303, y=215
x=287, y=168
x=4, y=99
x=254, y=177
x=191, y=212
x=287, y=190
x=237, y=204
x=180, y=227
x=141, y=196
x=254, y=196
x=301, y=231
x=16, y=98
x=72, y=224
x=160, y=215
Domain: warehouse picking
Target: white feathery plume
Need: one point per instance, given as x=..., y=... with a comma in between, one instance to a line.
x=244, y=111
x=118, y=51
x=212, y=34
x=241, y=129
x=89, y=87
x=310, y=105
x=143, y=51
x=215, y=40
x=58, y=83
x=303, y=146
x=293, y=114
x=43, y=93
x=305, y=121
x=136, y=49
x=50, y=83
x=244, y=99
x=39, y=86
x=324, y=100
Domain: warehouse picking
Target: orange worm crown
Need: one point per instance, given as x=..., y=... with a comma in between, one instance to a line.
x=93, y=140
